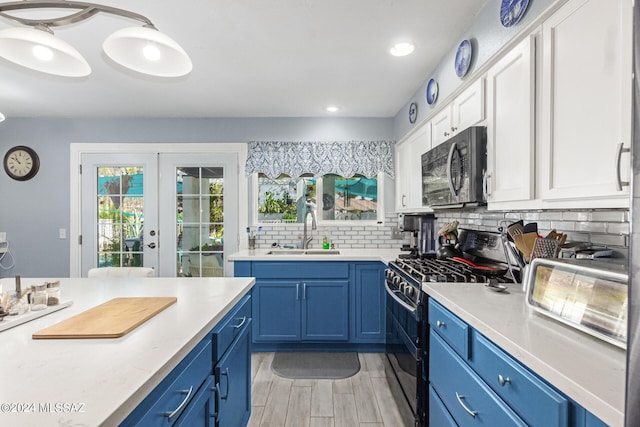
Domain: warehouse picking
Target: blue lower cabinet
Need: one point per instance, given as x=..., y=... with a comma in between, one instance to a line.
x=325, y=310
x=201, y=411
x=469, y=400
x=315, y=303
x=439, y=416
x=276, y=311
x=305, y=310
x=211, y=386
x=475, y=382
x=369, y=303
x=233, y=382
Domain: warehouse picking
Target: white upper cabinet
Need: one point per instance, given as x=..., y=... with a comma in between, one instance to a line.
x=510, y=127
x=586, y=105
x=467, y=109
x=408, y=169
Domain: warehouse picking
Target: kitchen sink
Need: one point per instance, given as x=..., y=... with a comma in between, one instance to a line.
x=286, y=252
x=303, y=252
x=322, y=252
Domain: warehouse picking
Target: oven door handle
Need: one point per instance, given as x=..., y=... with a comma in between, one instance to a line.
x=393, y=295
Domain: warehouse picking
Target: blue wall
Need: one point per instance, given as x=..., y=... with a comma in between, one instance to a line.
x=32, y=212
x=487, y=37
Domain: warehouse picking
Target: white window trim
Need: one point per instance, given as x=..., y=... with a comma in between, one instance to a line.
x=380, y=214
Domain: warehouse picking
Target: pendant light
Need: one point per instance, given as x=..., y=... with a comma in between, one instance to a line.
x=142, y=49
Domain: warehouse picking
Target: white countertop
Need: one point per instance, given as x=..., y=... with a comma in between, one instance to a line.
x=586, y=369
x=106, y=378
x=361, y=254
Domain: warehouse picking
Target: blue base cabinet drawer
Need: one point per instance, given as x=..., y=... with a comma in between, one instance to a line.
x=536, y=402
x=227, y=330
x=439, y=416
x=469, y=400
x=453, y=330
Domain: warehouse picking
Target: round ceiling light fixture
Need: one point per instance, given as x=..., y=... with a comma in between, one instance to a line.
x=161, y=55
x=143, y=49
x=332, y=109
x=402, y=49
x=37, y=48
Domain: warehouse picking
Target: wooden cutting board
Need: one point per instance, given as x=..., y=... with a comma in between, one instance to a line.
x=112, y=319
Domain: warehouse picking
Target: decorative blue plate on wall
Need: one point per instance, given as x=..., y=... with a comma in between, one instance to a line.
x=463, y=58
x=432, y=91
x=511, y=11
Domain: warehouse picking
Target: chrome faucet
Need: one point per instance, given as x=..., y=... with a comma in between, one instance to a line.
x=306, y=240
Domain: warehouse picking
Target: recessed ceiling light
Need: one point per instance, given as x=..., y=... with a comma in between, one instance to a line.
x=1, y=117
x=402, y=49
x=332, y=109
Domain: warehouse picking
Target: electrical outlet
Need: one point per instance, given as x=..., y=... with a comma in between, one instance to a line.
x=62, y=233
x=396, y=233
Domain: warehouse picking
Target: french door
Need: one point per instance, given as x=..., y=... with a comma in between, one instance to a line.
x=176, y=213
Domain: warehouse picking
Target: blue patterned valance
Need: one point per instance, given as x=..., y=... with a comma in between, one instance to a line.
x=344, y=158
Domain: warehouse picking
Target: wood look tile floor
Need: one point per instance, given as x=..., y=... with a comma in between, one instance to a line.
x=363, y=400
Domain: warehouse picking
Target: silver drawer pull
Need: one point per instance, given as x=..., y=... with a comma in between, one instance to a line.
x=225, y=373
x=503, y=380
x=440, y=324
x=170, y=415
x=469, y=411
x=244, y=320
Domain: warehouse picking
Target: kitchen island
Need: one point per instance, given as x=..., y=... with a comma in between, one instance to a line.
x=92, y=382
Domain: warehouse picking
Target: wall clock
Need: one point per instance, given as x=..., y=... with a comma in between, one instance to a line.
x=21, y=163
x=413, y=112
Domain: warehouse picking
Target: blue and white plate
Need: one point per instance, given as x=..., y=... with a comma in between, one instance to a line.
x=463, y=58
x=511, y=11
x=432, y=91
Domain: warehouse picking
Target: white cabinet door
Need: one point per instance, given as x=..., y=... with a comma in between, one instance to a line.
x=586, y=103
x=510, y=125
x=408, y=169
x=467, y=109
x=441, y=126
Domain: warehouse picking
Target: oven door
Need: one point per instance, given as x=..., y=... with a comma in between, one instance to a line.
x=405, y=369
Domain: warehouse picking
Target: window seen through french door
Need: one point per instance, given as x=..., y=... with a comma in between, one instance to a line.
x=176, y=213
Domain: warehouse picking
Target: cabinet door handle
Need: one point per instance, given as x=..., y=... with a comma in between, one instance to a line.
x=404, y=201
x=446, y=134
x=619, y=182
x=297, y=291
x=172, y=414
x=486, y=185
x=453, y=128
x=226, y=374
x=440, y=324
x=469, y=411
x=503, y=380
x=216, y=390
x=244, y=320
x=304, y=291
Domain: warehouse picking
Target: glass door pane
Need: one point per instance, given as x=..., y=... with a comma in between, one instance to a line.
x=200, y=221
x=120, y=217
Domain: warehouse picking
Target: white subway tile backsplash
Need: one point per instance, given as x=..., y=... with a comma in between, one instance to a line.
x=610, y=227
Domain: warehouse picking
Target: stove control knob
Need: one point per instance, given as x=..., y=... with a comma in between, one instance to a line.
x=396, y=281
x=409, y=291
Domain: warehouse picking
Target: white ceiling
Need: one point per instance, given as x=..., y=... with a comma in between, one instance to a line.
x=251, y=58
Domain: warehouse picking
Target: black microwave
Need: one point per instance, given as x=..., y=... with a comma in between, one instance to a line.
x=453, y=172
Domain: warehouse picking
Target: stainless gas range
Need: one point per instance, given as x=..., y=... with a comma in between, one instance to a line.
x=407, y=324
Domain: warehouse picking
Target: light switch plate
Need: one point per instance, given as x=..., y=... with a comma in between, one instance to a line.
x=3, y=236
